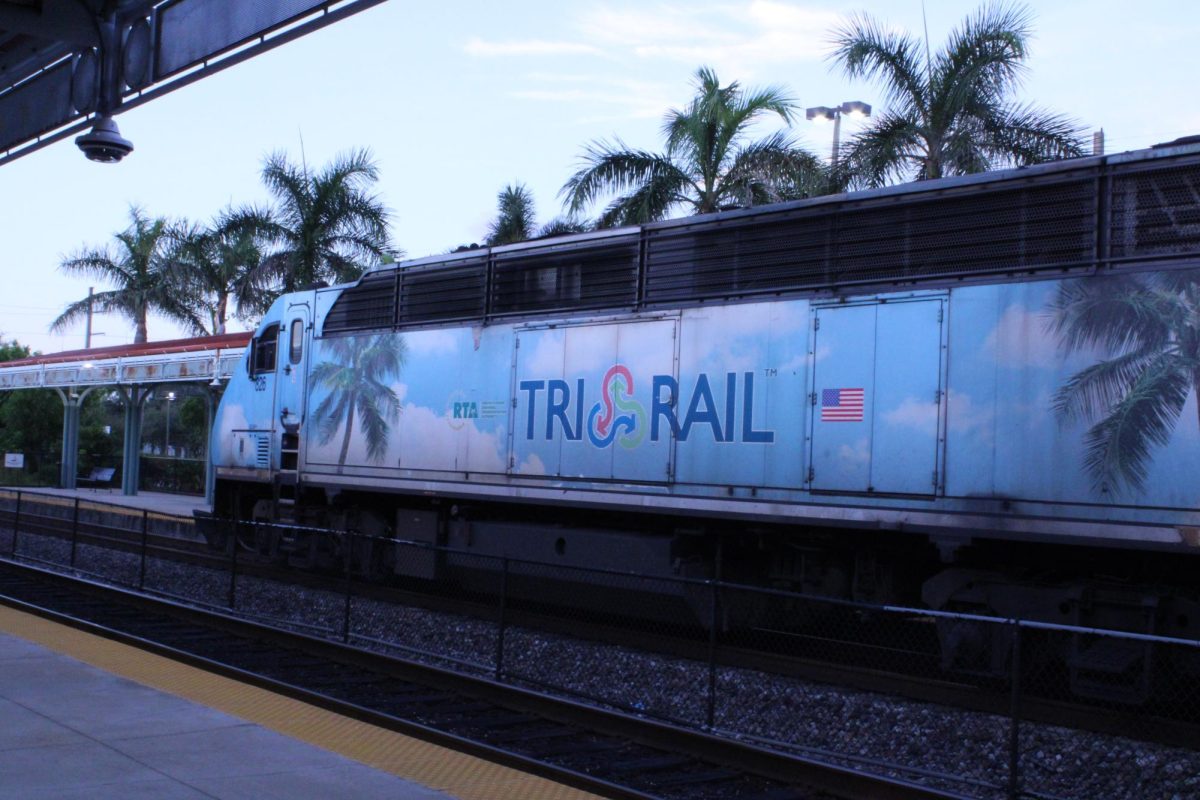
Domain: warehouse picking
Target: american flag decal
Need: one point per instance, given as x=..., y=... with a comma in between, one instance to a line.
x=842, y=405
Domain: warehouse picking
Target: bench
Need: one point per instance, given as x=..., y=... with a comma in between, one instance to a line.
x=98, y=478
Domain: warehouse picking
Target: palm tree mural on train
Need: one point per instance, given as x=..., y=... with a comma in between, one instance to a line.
x=356, y=377
x=1149, y=324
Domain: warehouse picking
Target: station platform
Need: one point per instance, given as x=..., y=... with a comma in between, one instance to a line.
x=179, y=505
x=85, y=717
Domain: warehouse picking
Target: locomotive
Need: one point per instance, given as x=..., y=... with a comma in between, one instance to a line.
x=976, y=393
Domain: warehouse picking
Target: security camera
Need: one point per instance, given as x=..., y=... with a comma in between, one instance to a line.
x=104, y=142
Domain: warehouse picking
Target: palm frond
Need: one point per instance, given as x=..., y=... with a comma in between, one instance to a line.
x=616, y=169
x=1118, y=313
x=866, y=49
x=1118, y=447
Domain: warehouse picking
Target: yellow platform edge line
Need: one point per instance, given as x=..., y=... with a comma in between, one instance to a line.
x=431, y=765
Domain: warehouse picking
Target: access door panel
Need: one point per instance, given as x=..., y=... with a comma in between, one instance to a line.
x=584, y=399
x=904, y=447
x=876, y=403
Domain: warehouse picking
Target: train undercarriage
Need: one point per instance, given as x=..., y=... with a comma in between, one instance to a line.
x=550, y=553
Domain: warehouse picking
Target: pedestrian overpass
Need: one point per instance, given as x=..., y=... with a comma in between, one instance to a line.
x=132, y=371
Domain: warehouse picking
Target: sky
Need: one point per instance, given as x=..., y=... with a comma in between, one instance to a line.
x=456, y=100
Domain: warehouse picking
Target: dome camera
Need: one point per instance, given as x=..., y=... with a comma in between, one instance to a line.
x=104, y=142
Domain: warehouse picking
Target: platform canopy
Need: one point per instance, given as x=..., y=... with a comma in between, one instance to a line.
x=131, y=371
x=66, y=64
x=208, y=359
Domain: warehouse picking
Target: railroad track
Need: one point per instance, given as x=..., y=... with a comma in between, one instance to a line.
x=612, y=755
x=910, y=674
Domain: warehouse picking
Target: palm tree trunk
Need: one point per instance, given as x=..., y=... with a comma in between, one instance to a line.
x=346, y=438
x=139, y=333
x=222, y=308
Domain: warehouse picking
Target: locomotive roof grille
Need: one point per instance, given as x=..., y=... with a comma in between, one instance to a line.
x=1133, y=210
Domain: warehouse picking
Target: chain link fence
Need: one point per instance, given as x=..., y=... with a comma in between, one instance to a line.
x=979, y=706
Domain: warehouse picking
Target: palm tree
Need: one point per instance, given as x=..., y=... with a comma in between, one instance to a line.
x=220, y=264
x=1150, y=324
x=326, y=226
x=515, y=220
x=707, y=165
x=950, y=112
x=515, y=217
x=356, y=378
x=143, y=275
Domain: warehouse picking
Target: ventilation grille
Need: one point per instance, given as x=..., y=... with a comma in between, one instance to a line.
x=1048, y=227
x=600, y=276
x=1156, y=213
x=446, y=291
x=369, y=304
x=262, y=452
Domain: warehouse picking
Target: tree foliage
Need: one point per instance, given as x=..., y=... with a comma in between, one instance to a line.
x=217, y=266
x=709, y=161
x=324, y=226
x=950, y=112
x=516, y=219
x=142, y=273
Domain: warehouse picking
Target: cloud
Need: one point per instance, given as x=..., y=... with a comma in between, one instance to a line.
x=736, y=37
x=920, y=415
x=963, y=415
x=432, y=343
x=1020, y=339
x=745, y=331
x=476, y=46
x=428, y=441
x=855, y=455
x=532, y=466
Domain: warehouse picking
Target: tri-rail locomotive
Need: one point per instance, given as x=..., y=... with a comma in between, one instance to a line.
x=881, y=395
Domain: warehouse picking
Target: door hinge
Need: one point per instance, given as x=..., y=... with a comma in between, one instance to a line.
x=937, y=397
x=816, y=323
x=812, y=398
x=514, y=402
x=811, y=474
x=935, y=479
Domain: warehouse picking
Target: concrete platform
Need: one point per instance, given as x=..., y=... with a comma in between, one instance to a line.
x=180, y=505
x=69, y=729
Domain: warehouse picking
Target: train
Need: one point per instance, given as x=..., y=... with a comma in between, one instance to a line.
x=976, y=394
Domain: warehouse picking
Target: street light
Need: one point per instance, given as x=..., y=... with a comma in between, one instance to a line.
x=851, y=108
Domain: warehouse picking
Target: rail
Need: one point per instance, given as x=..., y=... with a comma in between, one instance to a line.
x=723, y=658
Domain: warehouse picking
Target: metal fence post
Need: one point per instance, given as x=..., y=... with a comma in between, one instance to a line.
x=74, y=532
x=713, y=616
x=16, y=523
x=502, y=621
x=145, y=543
x=233, y=565
x=1014, y=741
x=346, y=608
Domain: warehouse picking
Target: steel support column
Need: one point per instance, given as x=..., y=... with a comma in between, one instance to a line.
x=134, y=398
x=69, y=469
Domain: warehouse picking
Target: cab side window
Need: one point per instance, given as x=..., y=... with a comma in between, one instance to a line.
x=265, y=347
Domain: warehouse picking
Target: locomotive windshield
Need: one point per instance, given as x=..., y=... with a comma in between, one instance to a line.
x=265, y=345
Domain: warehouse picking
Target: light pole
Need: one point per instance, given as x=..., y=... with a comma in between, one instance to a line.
x=170, y=399
x=853, y=108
